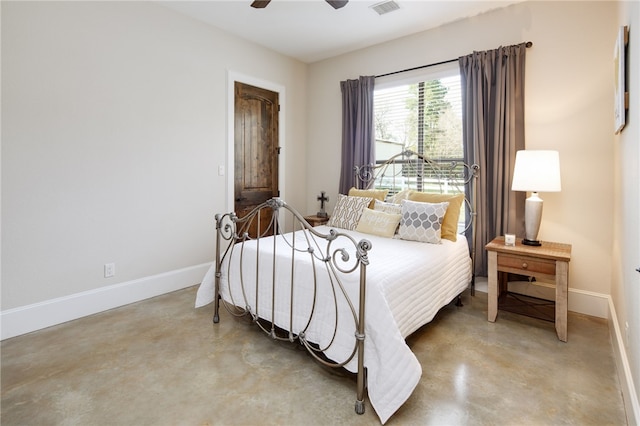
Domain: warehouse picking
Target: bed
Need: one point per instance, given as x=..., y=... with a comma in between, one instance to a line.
x=351, y=293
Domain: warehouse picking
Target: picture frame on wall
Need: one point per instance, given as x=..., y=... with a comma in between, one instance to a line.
x=620, y=94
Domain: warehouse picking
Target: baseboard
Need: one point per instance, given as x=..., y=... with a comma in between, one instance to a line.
x=597, y=305
x=629, y=394
x=580, y=301
x=25, y=319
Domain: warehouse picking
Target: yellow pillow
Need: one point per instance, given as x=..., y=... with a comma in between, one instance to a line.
x=376, y=194
x=450, y=221
x=376, y=222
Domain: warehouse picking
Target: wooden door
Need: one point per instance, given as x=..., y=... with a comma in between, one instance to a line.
x=256, y=151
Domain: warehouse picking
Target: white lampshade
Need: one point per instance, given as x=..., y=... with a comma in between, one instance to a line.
x=536, y=171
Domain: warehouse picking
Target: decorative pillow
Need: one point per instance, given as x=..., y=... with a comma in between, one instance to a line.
x=450, y=222
x=378, y=223
x=402, y=195
x=422, y=221
x=387, y=207
x=347, y=211
x=376, y=194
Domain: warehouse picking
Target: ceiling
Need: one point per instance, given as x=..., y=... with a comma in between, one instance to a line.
x=311, y=30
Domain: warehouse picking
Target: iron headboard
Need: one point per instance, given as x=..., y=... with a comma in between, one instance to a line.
x=410, y=170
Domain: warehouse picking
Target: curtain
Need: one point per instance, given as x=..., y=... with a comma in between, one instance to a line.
x=492, y=85
x=358, y=145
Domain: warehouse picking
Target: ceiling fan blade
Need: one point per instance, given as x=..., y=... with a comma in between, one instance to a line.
x=337, y=4
x=260, y=4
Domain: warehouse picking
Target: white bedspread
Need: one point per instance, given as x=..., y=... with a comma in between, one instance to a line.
x=407, y=283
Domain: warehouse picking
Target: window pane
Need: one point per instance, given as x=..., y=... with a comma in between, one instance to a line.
x=425, y=117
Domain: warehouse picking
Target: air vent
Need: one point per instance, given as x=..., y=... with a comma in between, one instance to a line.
x=385, y=7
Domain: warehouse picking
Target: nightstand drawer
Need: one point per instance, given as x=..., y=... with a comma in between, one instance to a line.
x=526, y=265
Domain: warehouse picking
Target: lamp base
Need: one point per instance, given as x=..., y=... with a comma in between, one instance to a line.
x=532, y=218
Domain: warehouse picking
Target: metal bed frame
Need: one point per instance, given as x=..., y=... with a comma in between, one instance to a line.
x=414, y=171
x=329, y=253
x=332, y=259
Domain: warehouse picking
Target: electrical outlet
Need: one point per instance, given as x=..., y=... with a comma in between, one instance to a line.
x=109, y=270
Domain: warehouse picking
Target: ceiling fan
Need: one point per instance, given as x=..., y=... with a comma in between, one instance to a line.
x=336, y=4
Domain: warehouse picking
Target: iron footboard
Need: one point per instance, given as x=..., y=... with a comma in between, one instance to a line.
x=292, y=284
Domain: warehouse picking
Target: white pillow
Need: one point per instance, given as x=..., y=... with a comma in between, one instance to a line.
x=376, y=222
x=347, y=211
x=387, y=207
x=402, y=195
x=422, y=221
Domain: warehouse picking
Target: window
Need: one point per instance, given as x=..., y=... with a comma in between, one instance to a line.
x=421, y=112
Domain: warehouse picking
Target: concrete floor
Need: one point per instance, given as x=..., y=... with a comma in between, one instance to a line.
x=162, y=362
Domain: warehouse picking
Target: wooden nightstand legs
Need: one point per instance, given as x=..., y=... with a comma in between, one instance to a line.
x=493, y=286
x=562, y=283
x=549, y=261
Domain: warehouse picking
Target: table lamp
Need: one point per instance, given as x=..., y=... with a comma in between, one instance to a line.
x=535, y=171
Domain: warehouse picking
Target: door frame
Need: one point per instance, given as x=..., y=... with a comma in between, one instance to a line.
x=232, y=78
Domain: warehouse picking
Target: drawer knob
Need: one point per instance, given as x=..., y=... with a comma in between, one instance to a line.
x=524, y=265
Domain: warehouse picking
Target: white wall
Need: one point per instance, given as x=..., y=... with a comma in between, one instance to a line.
x=114, y=123
x=568, y=108
x=625, y=289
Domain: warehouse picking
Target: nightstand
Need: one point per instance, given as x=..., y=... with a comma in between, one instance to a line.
x=316, y=220
x=548, y=261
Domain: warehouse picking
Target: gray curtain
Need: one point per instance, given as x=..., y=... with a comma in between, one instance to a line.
x=358, y=144
x=493, y=130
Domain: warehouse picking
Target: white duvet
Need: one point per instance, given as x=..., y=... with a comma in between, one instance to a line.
x=407, y=283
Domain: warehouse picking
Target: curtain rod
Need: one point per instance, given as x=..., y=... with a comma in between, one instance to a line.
x=527, y=44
